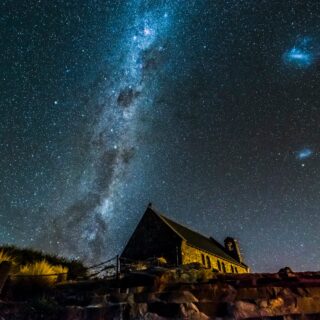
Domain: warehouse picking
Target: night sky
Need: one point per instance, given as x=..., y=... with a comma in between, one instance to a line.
x=209, y=109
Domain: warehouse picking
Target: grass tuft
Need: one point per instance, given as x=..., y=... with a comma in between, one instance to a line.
x=42, y=272
x=4, y=256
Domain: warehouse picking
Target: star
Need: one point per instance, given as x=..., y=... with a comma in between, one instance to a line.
x=181, y=103
x=147, y=31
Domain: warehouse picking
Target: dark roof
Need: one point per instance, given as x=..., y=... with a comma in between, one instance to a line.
x=196, y=239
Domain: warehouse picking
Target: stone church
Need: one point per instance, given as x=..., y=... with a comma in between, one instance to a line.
x=158, y=236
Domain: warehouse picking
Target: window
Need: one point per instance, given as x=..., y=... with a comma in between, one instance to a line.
x=219, y=265
x=223, y=268
x=235, y=268
x=232, y=270
x=203, y=259
x=208, y=262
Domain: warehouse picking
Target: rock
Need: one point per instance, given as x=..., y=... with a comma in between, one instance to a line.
x=118, y=297
x=74, y=313
x=96, y=312
x=276, y=303
x=263, y=303
x=190, y=311
x=145, y=297
x=99, y=299
x=209, y=308
x=244, y=310
x=152, y=316
x=142, y=309
x=166, y=310
x=5, y=268
x=308, y=304
x=288, y=297
x=286, y=272
x=178, y=297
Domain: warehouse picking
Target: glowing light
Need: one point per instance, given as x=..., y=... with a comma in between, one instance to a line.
x=303, y=54
x=147, y=31
x=298, y=54
x=298, y=57
x=304, y=153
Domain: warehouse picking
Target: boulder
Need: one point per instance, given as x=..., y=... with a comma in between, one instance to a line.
x=178, y=297
x=190, y=311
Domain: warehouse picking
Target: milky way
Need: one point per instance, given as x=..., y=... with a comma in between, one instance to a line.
x=132, y=86
x=208, y=109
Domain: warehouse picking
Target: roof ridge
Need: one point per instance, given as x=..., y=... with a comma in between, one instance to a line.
x=161, y=215
x=182, y=225
x=164, y=219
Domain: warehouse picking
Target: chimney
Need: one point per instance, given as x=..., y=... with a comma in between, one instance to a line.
x=232, y=247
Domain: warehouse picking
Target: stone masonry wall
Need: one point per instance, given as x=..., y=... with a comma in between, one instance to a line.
x=191, y=254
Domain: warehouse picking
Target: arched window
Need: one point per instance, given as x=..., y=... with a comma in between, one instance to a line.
x=232, y=270
x=203, y=259
x=236, y=269
x=223, y=268
x=208, y=262
x=219, y=265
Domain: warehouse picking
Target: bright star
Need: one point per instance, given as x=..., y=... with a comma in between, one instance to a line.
x=147, y=31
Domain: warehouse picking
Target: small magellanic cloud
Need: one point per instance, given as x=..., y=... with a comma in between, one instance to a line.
x=304, y=153
x=302, y=55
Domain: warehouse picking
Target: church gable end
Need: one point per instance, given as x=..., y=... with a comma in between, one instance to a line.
x=153, y=238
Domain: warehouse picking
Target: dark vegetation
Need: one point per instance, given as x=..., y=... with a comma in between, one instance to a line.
x=36, y=294
x=25, y=256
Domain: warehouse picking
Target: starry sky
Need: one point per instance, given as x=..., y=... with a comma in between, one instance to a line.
x=208, y=109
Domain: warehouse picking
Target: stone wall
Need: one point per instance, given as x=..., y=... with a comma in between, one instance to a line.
x=191, y=254
x=285, y=295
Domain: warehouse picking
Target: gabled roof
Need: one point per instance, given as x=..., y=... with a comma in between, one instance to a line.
x=196, y=239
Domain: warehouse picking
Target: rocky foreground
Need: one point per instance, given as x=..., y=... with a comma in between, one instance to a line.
x=180, y=294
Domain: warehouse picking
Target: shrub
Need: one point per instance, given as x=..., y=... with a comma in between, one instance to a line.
x=161, y=261
x=4, y=256
x=40, y=272
x=61, y=271
x=185, y=274
x=24, y=256
x=42, y=308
